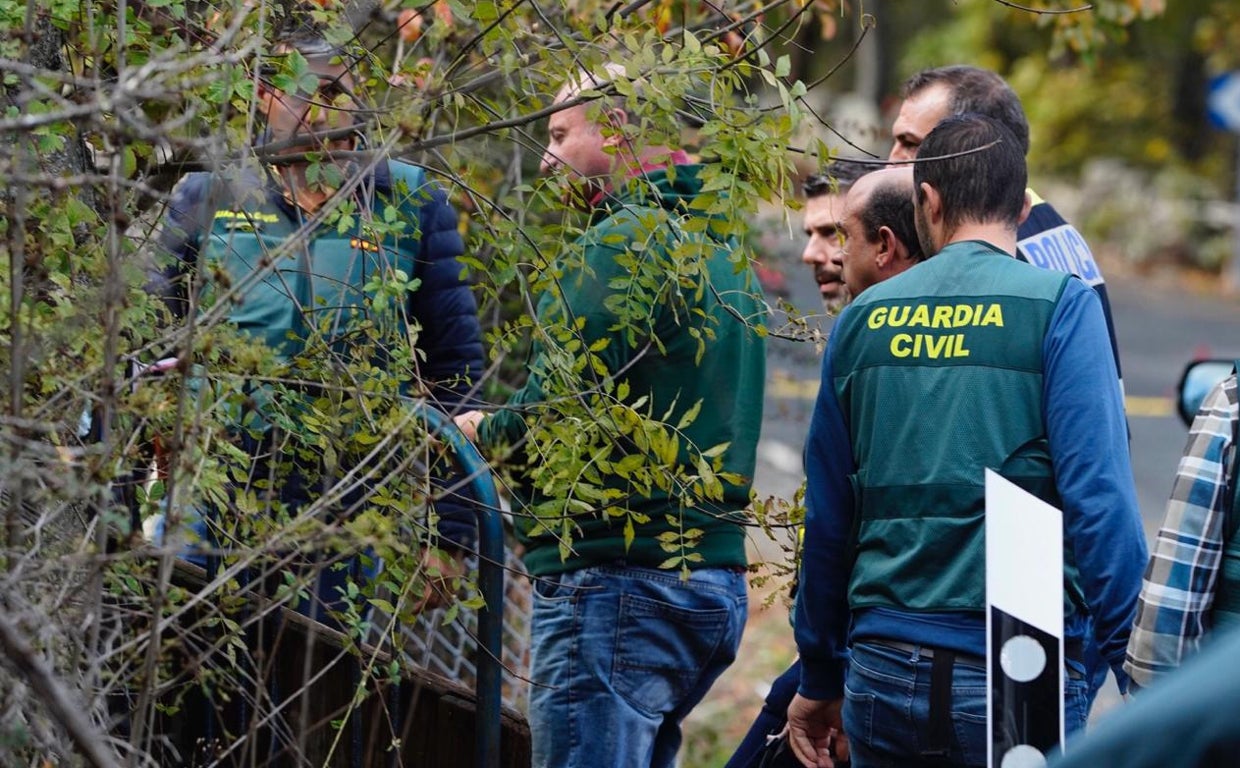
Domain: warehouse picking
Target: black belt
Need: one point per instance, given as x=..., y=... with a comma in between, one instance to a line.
x=1073, y=648
x=925, y=651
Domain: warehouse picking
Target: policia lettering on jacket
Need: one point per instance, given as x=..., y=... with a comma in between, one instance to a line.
x=930, y=345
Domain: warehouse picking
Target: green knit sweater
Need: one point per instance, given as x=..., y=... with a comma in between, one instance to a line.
x=651, y=309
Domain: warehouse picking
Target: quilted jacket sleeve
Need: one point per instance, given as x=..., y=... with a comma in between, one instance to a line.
x=177, y=241
x=451, y=339
x=444, y=306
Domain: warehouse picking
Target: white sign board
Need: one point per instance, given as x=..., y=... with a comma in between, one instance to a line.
x=1024, y=625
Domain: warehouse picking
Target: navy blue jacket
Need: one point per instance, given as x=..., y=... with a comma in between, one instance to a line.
x=1047, y=240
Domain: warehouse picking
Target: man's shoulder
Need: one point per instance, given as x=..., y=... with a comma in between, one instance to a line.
x=398, y=173
x=1047, y=240
x=1042, y=215
x=968, y=265
x=198, y=193
x=628, y=220
x=190, y=191
x=228, y=187
x=403, y=183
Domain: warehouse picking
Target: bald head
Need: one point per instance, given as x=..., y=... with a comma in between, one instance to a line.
x=880, y=232
x=589, y=144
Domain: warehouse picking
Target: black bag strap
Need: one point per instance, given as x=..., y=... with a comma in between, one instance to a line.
x=939, y=740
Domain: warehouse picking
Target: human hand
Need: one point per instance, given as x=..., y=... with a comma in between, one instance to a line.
x=441, y=572
x=816, y=732
x=468, y=423
x=156, y=368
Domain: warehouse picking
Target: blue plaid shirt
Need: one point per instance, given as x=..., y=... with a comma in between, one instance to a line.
x=1177, y=593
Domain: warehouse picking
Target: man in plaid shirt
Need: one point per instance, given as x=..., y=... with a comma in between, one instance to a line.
x=1185, y=572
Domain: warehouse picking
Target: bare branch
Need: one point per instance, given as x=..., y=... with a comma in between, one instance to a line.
x=1044, y=11
x=63, y=707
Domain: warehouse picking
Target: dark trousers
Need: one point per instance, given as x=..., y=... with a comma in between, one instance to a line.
x=753, y=748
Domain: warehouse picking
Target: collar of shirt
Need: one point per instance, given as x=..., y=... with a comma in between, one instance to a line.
x=676, y=157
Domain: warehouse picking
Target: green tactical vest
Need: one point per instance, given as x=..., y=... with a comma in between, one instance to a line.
x=939, y=374
x=283, y=286
x=283, y=279
x=1226, y=612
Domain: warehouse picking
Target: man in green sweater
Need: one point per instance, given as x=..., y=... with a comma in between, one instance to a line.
x=647, y=343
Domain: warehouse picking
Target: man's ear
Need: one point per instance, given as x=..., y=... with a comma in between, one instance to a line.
x=1025, y=209
x=931, y=203
x=887, y=245
x=615, y=119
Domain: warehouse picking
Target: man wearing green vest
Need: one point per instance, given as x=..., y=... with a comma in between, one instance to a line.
x=351, y=258
x=876, y=238
x=971, y=360
x=1192, y=583
x=1044, y=238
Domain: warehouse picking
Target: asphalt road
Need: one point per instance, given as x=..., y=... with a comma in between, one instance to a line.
x=1160, y=330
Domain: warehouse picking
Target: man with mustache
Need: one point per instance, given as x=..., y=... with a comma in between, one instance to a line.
x=878, y=239
x=824, y=207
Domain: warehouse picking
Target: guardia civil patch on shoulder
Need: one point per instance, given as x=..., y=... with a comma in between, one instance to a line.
x=245, y=221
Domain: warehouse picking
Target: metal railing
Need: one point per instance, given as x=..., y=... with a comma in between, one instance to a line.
x=490, y=583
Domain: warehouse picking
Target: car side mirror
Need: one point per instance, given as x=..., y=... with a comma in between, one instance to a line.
x=1198, y=379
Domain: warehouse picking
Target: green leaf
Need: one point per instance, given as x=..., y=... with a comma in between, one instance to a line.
x=485, y=12
x=129, y=162
x=450, y=615
x=690, y=415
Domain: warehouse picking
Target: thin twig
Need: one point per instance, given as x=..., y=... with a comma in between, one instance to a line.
x=1045, y=11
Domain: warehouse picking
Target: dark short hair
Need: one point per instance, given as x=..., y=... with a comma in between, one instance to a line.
x=890, y=204
x=974, y=89
x=977, y=167
x=837, y=177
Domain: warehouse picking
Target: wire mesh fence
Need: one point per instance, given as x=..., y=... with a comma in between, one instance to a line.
x=446, y=645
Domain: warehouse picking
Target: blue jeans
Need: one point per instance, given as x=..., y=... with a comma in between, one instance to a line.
x=620, y=655
x=887, y=708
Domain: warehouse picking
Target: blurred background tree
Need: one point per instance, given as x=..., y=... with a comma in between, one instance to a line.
x=1116, y=100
